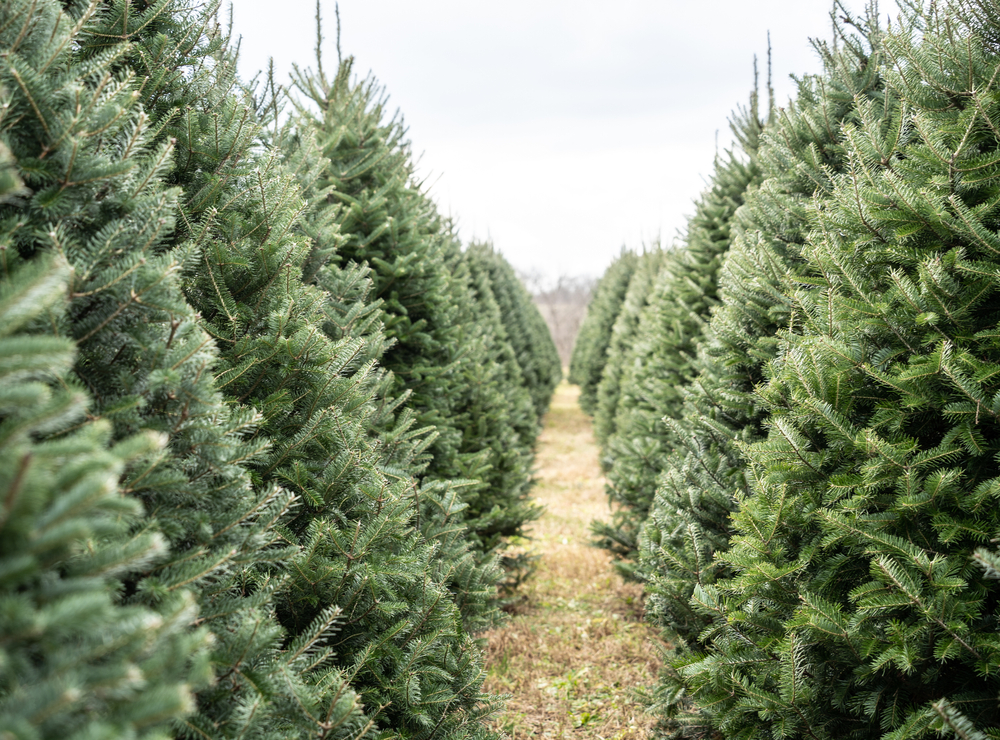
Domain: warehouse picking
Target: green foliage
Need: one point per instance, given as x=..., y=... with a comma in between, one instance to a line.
x=75, y=659
x=880, y=415
x=441, y=356
x=620, y=358
x=366, y=603
x=516, y=423
x=401, y=445
x=526, y=330
x=281, y=510
x=590, y=350
x=92, y=155
x=848, y=599
x=646, y=436
x=390, y=226
x=704, y=474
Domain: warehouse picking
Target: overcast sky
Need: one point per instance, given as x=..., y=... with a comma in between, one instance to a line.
x=560, y=129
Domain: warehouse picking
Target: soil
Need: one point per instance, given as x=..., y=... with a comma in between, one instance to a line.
x=576, y=649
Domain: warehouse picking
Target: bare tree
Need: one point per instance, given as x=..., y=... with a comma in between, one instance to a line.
x=563, y=303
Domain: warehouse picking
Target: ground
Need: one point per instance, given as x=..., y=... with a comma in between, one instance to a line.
x=576, y=648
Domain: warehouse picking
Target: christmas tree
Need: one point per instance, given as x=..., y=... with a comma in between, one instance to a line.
x=76, y=659
x=590, y=349
x=401, y=444
x=661, y=361
x=270, y=517
x=623, y=336
x=861, y=605
x=366, y=601
x=437, y=352
x=526, y=330
x=91, y=151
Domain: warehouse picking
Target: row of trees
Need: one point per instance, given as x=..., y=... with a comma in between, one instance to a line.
x=799, y=406
x=265, y=426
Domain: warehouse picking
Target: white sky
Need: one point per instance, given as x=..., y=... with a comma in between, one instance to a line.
x=560, y=129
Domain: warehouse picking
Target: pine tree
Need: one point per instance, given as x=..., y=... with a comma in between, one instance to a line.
x=76, y=661
x=706, y=477
x=660, y=361
x=623, y=336
x=394, y=229
x=401, y=444
x=366, y=605
x=591, y=347
x=856, y=608
x=477, y=262
x=438, y=354
x=401, y=644
x=513, y=447
x=526, y=330
x=88, y=141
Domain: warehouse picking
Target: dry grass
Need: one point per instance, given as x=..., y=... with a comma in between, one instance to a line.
x=576, y=646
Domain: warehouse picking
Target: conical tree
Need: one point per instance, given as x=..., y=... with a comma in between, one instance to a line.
x=365, y=603
x=150, y=365
x=706, y=477
x=438, y=354
x=623, y=335
x=76, y=661
x=478, y=263
x=861, y=608
x=660, y=360
x=591, y=347
x=89, y=144
x=526, y=330
x=401, y=443
x=516, y=427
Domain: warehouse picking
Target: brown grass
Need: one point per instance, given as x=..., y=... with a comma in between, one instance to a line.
x=576, y=646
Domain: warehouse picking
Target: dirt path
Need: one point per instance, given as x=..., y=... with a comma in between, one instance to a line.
x=576, y=646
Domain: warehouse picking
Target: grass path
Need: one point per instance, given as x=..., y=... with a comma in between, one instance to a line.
x=576, y=645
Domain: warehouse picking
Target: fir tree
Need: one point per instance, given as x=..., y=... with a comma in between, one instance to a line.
x=860, y=607
x=89, y=144
x=705, y=477
x=477, y=261
x=623, y=336
x=591, y=347
x=660, y=361
x=76, y=661
x=512, y=451
x=534, y=349
x=394, y=229
x=401, y=444
x=438, y=354
x=366, y=604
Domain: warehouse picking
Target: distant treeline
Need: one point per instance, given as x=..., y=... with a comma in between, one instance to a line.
x=563, y=304
x=799, y=406
x=266, y=427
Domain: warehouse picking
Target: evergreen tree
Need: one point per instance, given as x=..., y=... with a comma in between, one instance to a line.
x=591, y=347
x=400, y=642
x=348, y=552
x=394, y=229
x=623, y=335
x=513, y=449
x=366, y=603
x=477, y=262
x=76, y=661
x=526, y=330
x=401, y=444
x=438, y=353
x=89, y=145
x=856, y=608
x=660, y=360
x=706, y=477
